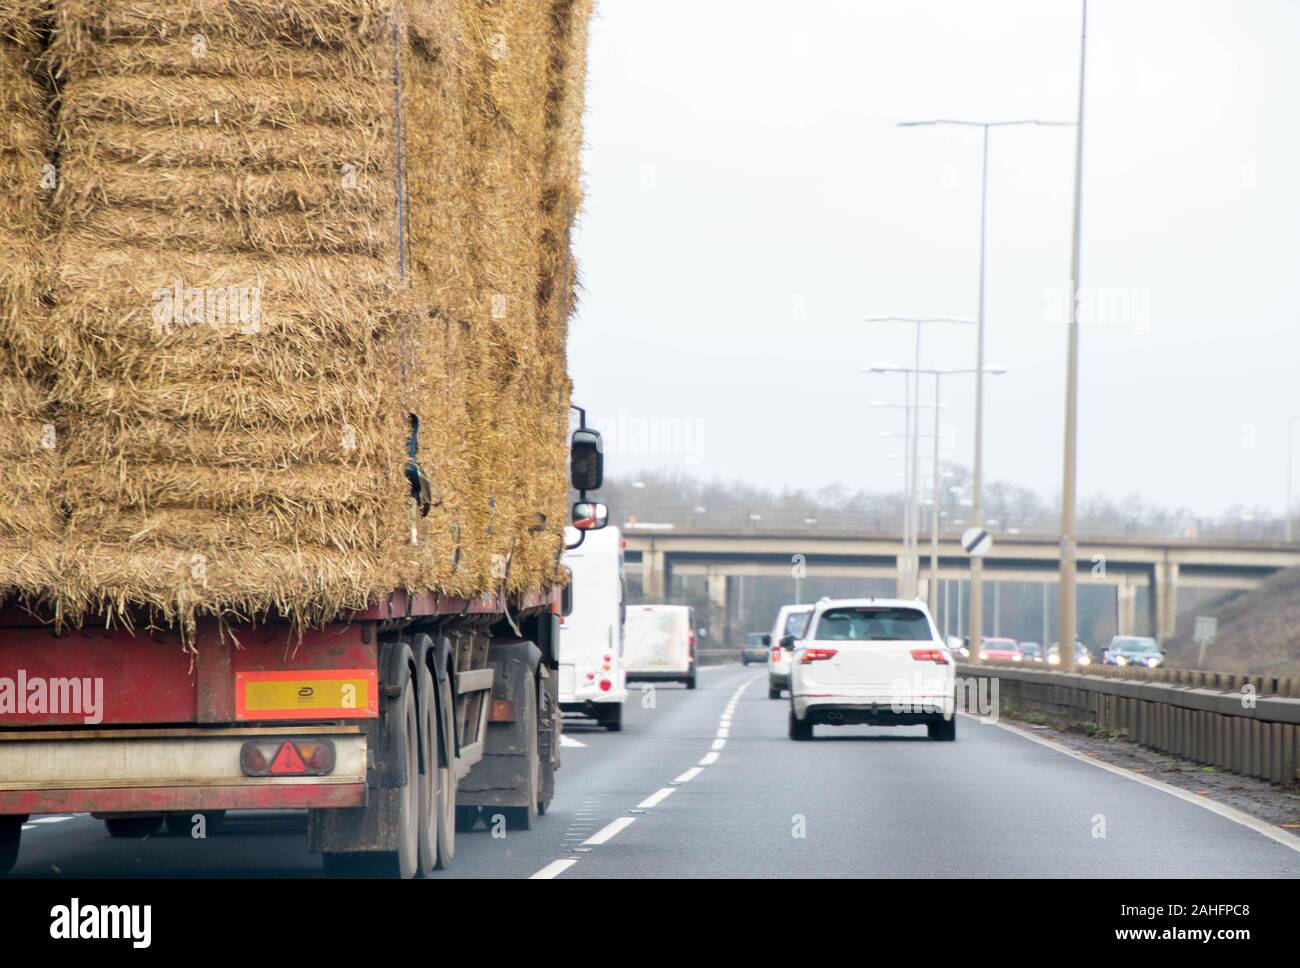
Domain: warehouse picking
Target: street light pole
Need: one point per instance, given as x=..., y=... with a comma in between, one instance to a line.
x=1290, y=478
x=997, y=369
x=912, y=524
x=976, y=609
x=934, y=510
x=1068, y=608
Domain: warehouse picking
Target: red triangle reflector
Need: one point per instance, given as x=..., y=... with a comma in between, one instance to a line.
x=288, y=760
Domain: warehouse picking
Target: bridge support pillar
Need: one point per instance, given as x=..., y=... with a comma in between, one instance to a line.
x=1126, y=596
x=1164, y=600
x=720, y=609
x=654, y=576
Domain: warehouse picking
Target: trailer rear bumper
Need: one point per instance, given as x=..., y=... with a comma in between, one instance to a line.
x=123, y=771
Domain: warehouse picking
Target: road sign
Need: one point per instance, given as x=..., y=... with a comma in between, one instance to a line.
x=1205, y=632
x=977, y=542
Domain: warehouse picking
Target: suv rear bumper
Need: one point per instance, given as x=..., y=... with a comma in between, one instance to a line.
x=879, y=711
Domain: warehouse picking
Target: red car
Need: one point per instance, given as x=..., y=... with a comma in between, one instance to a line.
x=1003, y=649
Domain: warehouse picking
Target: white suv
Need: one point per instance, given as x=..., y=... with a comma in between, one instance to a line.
x=868, y=661
x=790, y=622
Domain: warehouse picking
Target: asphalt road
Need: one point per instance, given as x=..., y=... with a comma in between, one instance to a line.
x=654, y=801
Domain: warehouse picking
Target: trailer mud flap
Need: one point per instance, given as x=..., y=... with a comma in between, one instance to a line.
x=501, y=778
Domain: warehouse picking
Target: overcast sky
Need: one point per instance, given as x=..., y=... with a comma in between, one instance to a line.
x=750, y=200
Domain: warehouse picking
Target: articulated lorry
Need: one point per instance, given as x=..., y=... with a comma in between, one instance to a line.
x=284, y=413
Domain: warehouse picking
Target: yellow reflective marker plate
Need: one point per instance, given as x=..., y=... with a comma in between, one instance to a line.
x=307, y=694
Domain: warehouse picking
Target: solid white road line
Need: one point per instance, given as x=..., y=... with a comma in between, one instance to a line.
x=656, y=798
x=709, y=759
x=689, y=775
x=51, y=819
x=719, y=744
x=553, y=869
x=723, y=732
x=1223, y=810
x=609, y=831
x=566, y=740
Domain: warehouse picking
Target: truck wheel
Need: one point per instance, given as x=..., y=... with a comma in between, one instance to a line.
x=181, y=823
x=429, y=776
x=611, y=717
x=773, y=692
x=523, y=818
x=11, y=834
x=134, y=828
x=405, y=861
x=943, y=730
x=800, y=729
x=407, y=857
x=690, y=680
x=445, y=751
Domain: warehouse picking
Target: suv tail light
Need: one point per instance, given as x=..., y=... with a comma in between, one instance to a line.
x=776, y=653
x=930, y=655
x=809, y=656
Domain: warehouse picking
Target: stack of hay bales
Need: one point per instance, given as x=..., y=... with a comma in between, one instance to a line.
x=284, y=227
x=29, y=519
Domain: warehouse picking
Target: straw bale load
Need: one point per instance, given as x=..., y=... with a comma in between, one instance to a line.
x=282, y=234
x=29, y=517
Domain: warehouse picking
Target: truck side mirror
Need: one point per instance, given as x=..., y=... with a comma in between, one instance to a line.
x=586, y=460
x=590, y=515
x=787, y=642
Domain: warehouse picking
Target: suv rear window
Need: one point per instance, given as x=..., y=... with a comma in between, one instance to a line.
x=866, y=624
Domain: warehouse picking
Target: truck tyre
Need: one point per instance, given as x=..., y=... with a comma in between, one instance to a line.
x=445, y=752
x=690, y=679
x=11, y=835
x=942, y=730
x=429, y=778
x=523, y=818
x=406, y=859
x=134, y=828
x=772, y=691
x=611, y=717
x=181, y=823
x=800, y=729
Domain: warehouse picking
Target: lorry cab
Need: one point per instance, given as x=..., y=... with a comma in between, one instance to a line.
x=659, y=644
x=591, y=635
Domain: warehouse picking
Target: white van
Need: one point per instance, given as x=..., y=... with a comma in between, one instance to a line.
x=659, y=644
x=791, y=620
x=591, y=641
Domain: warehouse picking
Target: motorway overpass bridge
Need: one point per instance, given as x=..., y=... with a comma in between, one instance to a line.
x=1161, y=565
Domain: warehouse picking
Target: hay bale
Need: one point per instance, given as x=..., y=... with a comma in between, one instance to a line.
x=245, y=312
x=29, y=518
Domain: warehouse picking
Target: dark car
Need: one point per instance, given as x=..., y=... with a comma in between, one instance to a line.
x=1125, y=650
x=757, y=646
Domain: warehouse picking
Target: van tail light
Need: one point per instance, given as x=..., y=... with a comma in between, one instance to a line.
x=776, y=653
x=930, y=655
x=809, y=656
